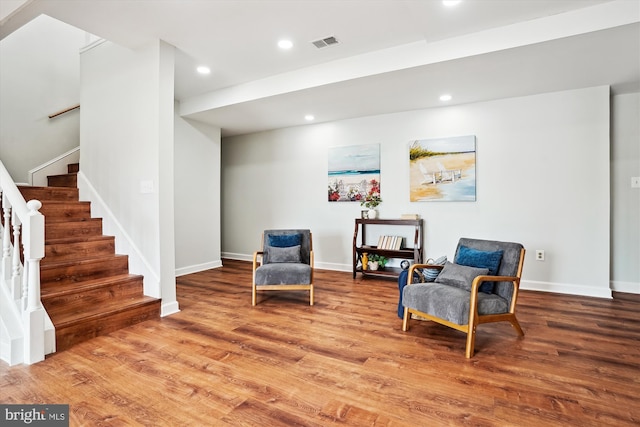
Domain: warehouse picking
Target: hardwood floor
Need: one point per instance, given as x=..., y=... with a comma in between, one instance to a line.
x=343, y=361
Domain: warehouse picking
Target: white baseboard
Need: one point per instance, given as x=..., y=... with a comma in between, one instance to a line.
x=239, y=257
x=563, y=288
x=627, y=287
x=334, y=266
x=198, y=267
x=169, y=308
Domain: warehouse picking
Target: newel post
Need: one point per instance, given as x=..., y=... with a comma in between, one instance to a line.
x=33, y=313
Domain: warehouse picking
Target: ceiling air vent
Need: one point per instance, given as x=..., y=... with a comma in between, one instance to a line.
x=325, y=42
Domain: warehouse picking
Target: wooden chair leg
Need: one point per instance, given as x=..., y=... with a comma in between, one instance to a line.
x=516, y=326
x=311, y=295
x=471, y=341
x=253, y=295
x=405, y=320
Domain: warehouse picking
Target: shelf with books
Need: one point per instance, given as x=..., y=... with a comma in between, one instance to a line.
x=389, y=246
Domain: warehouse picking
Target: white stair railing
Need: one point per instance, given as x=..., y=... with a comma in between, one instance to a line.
x=20, y=284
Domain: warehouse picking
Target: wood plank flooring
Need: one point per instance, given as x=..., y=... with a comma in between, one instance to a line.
x=343, y=361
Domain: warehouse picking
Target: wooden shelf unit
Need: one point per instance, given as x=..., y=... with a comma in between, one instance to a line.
x=414, y=253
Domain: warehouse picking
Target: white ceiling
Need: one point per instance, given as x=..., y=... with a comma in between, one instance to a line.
x=393, y=55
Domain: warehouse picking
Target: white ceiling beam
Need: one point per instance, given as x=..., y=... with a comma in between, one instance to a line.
x=581, y=21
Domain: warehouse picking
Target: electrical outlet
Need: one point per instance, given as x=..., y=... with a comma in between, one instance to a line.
x=539, y=255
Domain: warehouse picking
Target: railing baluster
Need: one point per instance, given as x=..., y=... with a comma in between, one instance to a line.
x=25, y=289
x=6, y=238
x=15, y=271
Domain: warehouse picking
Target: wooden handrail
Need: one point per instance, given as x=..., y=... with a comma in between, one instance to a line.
x=64, y=111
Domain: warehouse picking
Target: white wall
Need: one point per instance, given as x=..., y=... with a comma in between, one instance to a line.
x=625, y=201
x=197, y=196
x=542, y=180
x=39, y=74
x=126, y=145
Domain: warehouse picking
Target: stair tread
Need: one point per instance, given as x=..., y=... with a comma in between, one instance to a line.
x=62, y=174
x=50, y=220
x=66, y=202
x=84, y=260
x=78, y=239
x=62, y=318
x=65, y=220
x=45, y=194
x=44, y=187
x=86, y=285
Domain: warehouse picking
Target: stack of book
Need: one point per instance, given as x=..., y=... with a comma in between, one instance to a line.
x=390, y=242
x=409, y=216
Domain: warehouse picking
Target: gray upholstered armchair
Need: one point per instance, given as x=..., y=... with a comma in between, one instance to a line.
x=285, y=263
x=481, y=286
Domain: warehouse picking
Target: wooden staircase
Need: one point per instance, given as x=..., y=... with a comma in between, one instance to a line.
x=86, y=287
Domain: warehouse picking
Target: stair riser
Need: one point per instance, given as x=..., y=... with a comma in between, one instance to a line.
x=50, y=276
x=67, y=336
x=70, y=180
x=90, y=297
x=61, y=212
x=49, y=193
x=61, y=230
x=78, y=250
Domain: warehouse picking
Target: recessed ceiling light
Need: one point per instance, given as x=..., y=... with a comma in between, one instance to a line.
x=285, y=44
x=309, y=117
x=451, y=3
x=445, y=97
x=203, y=69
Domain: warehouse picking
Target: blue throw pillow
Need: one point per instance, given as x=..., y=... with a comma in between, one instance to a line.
x=480, y=259
x=284, y=240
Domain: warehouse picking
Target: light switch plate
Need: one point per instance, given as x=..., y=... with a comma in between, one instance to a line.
x=146, y=187
x=635, y=182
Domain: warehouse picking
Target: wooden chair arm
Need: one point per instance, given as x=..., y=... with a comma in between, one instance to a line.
x=475, y=285
x=436, y=266
x=257, y=254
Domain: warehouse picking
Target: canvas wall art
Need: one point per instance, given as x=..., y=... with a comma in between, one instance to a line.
x=353, y=170
x=443, y=169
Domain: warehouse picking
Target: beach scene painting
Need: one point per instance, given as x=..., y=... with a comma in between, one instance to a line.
x=443, y=169
x=353, y=171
